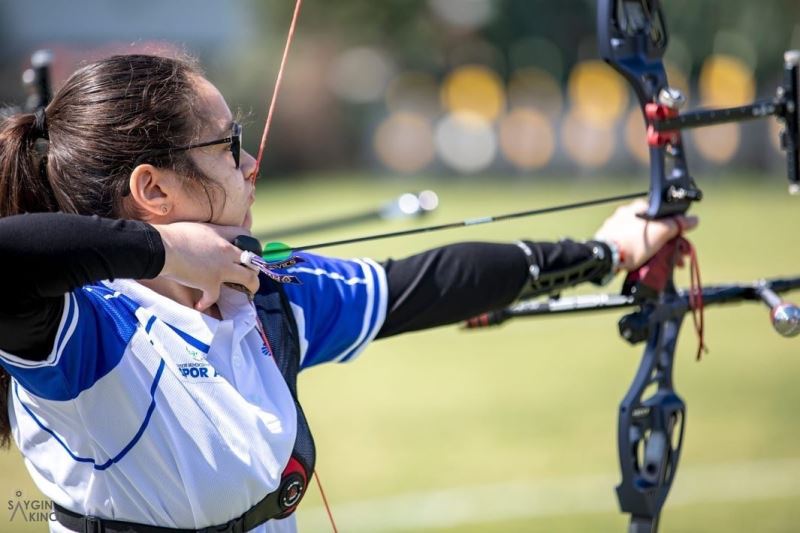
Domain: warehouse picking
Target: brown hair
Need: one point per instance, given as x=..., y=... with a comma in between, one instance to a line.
x=77, y=155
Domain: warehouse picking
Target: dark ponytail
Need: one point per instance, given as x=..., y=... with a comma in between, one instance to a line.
x=76, y=155
x=24, y=186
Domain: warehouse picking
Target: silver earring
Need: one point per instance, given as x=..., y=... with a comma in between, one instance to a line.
x=164, y=209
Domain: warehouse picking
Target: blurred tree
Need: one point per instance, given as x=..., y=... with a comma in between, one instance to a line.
x=409, y=28
x=403, y=26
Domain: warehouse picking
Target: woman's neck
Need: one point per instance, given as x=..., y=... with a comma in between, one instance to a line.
x=180, y=293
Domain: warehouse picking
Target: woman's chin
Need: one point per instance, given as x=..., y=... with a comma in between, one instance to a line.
x=247, y=223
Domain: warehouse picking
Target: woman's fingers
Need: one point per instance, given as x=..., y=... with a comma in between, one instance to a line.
x=201, y=256
x=638, y=238
x=687, y=222
x=209, y=298
x=242, y=275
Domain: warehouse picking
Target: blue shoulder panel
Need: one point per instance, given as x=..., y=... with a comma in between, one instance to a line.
x=96, y=327
x=343, y=306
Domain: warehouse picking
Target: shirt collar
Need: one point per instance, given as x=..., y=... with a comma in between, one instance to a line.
x=233, y=305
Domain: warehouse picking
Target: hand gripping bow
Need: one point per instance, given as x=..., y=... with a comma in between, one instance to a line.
x=633, y=38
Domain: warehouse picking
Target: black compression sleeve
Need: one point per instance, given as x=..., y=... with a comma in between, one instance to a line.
x=456, y=282
x=46, y=255
x=49, y=254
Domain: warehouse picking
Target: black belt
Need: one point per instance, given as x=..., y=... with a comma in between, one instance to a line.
x=278, y=504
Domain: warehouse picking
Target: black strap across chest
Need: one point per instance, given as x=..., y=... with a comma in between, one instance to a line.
x=275, y=314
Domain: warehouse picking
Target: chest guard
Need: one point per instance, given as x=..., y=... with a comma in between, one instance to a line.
x=275, y=313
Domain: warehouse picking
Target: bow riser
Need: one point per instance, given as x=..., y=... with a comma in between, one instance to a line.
x=632, y=38
x=650, y=426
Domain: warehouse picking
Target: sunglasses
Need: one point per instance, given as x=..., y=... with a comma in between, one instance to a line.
x=235, y=140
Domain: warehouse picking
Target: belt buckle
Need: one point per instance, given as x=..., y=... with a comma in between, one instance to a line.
x=92, y=524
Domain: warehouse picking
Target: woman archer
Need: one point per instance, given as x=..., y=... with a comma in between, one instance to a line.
x=143, y=392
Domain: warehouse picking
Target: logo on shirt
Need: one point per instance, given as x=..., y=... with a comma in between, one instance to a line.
x=197, y=371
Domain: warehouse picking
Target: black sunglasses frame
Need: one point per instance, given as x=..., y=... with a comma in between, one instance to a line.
x=235, y=140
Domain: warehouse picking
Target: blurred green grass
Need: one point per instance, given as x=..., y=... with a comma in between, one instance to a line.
x=535, y=401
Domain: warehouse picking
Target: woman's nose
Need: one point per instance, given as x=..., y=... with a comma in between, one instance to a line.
x=248, y=166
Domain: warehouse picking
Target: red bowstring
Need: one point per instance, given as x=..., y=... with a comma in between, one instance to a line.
x=259, y=157
x=325, y=501
x=277, y=88
x=695, y=294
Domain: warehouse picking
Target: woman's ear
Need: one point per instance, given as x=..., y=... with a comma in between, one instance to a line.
x=153, y=191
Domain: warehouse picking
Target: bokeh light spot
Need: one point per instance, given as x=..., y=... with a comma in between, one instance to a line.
x=726, y=81
x=717, y=144
x=428, y=200
x=463, y=13
x=404, y=142
x=775, y=129
x=474, y=89
x=588, y=144
x=408, y=203
x=527, y=138
x=466, y=142
x=636, y=136
x=360, y=75
x=597, y=92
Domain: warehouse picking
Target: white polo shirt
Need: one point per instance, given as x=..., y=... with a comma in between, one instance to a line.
x=148, y=411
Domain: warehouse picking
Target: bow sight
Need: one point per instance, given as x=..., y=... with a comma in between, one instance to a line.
x=666, y=121
x=633, y=38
